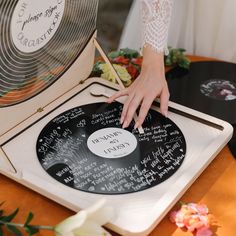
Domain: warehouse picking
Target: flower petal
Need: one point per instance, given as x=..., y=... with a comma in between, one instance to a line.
x=204, y=231
x=202, y=209
x=195, y=226
x=100, y=214
x=90, y=228
x=173, y=216
x=70, y=224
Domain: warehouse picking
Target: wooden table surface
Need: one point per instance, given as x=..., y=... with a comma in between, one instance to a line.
x=215, y=187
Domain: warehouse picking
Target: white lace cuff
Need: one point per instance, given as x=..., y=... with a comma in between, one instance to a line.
x=156, y=15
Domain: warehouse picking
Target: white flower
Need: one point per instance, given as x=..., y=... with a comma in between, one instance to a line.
x=87, y=222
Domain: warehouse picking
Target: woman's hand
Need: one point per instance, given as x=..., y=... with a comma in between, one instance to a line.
x=150, y=84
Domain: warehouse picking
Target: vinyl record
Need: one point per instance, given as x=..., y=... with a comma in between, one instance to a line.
x=209, y=87
x=39, y=40
x=85, y=148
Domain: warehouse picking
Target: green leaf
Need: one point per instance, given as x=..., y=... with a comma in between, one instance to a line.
x=29, y=218
x=168, y=62
x=182, y=203
x=34, y=230
x=174, y=59
x=10, y=217
x=1, y=213
x=31, y=230
x=129, y=53
x=113, y=54
x=185, y=63
x=182, y=50
x=96, y=72
x=97, y=64
x=14, y=230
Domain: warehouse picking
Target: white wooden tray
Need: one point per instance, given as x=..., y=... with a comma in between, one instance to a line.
x=136, y=213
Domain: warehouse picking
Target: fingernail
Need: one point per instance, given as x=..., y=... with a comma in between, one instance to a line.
x=125, y=125
x=166, y=114
x=136, y=125
x=121, y=120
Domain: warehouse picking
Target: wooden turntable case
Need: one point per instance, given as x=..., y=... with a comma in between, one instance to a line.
x=136, y=213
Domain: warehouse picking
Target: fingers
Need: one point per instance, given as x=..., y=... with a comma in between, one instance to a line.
x=146, y=104
x=144, y=94
x=117, y=95
x=164, y=99
x=129, y=109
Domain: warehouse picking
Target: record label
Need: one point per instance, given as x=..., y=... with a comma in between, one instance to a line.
x=219, y=89
x=85, y=148
x=112, y=143
x=35, y=22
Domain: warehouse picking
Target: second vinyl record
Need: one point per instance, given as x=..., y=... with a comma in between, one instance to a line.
x=209, y=87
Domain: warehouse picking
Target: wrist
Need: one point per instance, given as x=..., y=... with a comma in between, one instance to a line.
x=153, y=62
x=152, y=59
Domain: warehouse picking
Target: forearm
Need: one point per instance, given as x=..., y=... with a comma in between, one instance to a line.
x=156, y=15
x=151, y=82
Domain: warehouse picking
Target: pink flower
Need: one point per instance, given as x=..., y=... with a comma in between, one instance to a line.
x=194, y=217
x=173, y=216
x=204, y=231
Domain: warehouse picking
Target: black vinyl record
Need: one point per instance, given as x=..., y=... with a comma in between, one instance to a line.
x=39, y=40
x=85, y=148
x=209, y=87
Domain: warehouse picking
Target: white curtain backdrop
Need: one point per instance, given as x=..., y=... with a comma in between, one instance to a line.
x=132, y=33
x=202, y=27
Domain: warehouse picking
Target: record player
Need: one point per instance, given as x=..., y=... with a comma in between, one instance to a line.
x=59, y=137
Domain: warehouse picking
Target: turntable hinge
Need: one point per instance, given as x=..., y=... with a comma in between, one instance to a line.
x=40, y=110
x=82, y=81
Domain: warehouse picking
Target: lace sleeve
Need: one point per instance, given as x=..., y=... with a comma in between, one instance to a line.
x=156, y=16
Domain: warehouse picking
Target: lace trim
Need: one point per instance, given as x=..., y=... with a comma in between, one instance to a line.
x=156, y=15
